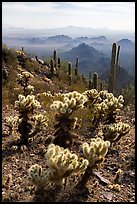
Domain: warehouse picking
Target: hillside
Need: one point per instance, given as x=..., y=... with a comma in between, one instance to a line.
x=89, y=59
x=112, y=180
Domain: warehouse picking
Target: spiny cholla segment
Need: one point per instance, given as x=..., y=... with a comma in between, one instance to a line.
x=61, y=164
x=40, y=121
x=11, y=121
x=71, y=101
x=95, y=151
x=92, y=94
x=38, y=176
x=28, y=103
x=23, y=80
x=110, y=103
x=114, y=131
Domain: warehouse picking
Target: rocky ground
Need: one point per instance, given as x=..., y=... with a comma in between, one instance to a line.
x=16, y=187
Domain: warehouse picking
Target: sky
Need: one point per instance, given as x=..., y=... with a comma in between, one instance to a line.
x=111, y=15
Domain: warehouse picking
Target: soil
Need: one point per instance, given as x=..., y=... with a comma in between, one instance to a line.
x=121, y=155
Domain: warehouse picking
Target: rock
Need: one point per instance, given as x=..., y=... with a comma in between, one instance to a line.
x=108, y=195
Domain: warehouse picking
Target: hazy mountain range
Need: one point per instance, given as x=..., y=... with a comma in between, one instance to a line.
x=94, y=51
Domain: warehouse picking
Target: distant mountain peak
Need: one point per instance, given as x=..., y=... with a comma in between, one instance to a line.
x=125, y=42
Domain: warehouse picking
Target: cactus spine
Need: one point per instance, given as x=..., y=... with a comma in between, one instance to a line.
x=76, y=69
x=95, y=81
x=70, y=72
x=51, y=68
x=114, y=68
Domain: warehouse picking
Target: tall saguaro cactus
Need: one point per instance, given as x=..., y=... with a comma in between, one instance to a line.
x=114, y=68
x=51, y=68
x=76, y=68
x=59, y=63
x=58, y=66
x=90, y=81
x=95, y=81
x=55, y=58
x=70, y=72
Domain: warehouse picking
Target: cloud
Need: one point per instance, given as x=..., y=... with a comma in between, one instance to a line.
x=56, y=14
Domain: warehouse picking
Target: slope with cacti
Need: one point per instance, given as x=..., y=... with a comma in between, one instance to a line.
x=61, y=141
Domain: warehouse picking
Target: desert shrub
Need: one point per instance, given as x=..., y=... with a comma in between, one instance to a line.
x=71, y=102
x=95, y=151
x=103, y=106
x=60, y=163
x=113, y=132
x=30, y=122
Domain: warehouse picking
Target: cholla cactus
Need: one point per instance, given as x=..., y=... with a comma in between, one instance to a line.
x=108, y=108
x=28, y=106
x=23, y=80
x=92, y=97
x=11, y=122
x=95, y=151
x=113, y=107
x=40, y=122
x=115, y=131
x=71, y=102
x=38, y=176
x=61, y=164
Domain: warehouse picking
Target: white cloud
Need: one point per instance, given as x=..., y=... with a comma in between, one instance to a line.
x=114, y=15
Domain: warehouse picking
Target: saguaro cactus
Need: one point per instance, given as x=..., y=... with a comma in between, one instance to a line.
x=51, y=68
x=101, y=86
x=76, y=69
x=70, y=72
x=114, y=68
x=95, y=81
x=59, y=63
x=55, y=58
x=90, y=81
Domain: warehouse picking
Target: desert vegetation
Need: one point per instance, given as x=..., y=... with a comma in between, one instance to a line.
x=65, y=138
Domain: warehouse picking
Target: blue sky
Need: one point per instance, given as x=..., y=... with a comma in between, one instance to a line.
x=111, y=15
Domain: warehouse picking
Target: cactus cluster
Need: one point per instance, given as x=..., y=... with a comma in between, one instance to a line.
x=27, y=104
x=23, y=80
x=29, y=121
x=95, y=151
x=113, y=132
x=103, y=106
x=60, y=162
x=109, y=106
x=11, y=122
x=71, y=101
x=40, y=121
x=92, y=96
